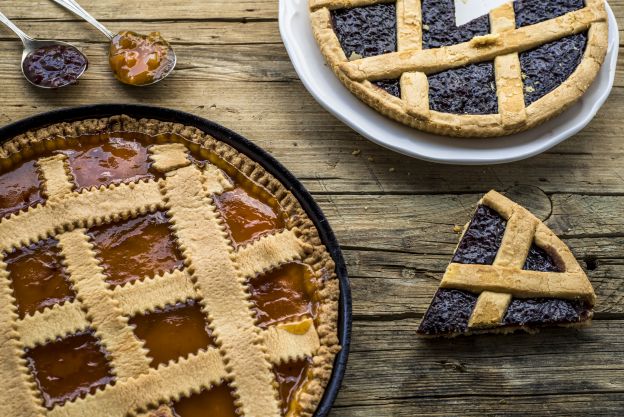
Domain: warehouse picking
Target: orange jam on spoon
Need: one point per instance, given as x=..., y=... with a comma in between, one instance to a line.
x=140, y=59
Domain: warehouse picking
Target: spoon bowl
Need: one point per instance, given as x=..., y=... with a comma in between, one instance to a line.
x=32, y=45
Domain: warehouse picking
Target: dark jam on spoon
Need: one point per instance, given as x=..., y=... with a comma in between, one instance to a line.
x=140, y=59
x=54, y=66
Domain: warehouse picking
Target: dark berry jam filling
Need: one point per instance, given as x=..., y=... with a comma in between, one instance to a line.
x=548, y=66
x=371, y=31
x=545, y=311
x=539, y=260
x=481, y=241
x=55, y=66
x=466, y=90
x=529, y=12
x=366, y=31
x=449, y=313
x=439, y=28
x=392, y=87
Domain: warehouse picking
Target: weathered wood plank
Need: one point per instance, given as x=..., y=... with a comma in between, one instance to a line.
x=391, y=365
x=114, y=10
x=581, y=215
x=177, y=32
x=572, y=405
x=424, y=223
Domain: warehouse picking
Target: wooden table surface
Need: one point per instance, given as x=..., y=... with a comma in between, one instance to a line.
x=393, y=215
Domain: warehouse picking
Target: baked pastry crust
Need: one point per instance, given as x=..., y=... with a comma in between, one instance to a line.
x=245, y=353
x=412, y=64
x=505, y=278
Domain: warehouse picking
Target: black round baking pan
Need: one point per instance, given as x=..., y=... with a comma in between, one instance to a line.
x=257, y=154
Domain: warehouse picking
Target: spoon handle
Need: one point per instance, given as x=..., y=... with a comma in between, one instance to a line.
x=75, y=8
x=19, y=32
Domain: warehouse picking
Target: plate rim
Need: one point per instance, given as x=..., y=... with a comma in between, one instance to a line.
x=289, y=35
x=257, y=154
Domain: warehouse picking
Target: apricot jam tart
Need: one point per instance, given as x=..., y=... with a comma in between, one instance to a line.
x=151, y=270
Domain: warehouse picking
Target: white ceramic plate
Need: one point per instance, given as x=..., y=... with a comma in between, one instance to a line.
x=321, y=82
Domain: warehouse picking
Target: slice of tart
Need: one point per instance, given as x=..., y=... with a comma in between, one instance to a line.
x=509, y=272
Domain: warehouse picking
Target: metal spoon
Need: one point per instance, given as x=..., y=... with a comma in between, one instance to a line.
x=75, y=8
x=31, y=45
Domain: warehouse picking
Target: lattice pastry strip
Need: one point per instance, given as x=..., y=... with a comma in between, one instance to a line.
x=154, y=292
x=84, y=209
x=203, y=241
x=414, y=85
x=411, y=64
x=56, y=179
x=507, y=70
x=504, y=279
x=247, y=354
x=57, y=321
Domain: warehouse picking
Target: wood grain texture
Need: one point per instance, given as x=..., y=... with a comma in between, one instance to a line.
x=234, y=70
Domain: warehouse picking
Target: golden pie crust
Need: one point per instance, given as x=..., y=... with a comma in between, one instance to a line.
x=215, y=273
x=412, y=64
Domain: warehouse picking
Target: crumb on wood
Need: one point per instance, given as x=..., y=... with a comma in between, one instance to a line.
x=356, y=152
x=454, y=365
x=457, y=229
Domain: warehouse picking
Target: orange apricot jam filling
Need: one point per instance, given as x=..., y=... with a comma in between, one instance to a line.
x=68, y=368
x=112, y=162
x=290, y=377
x=140, y=59
x=137, y=248
x=173, y=332
x=247, y=217
x=37, y=277
x=215, y=402
x=20, y=189
x=282, y=295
